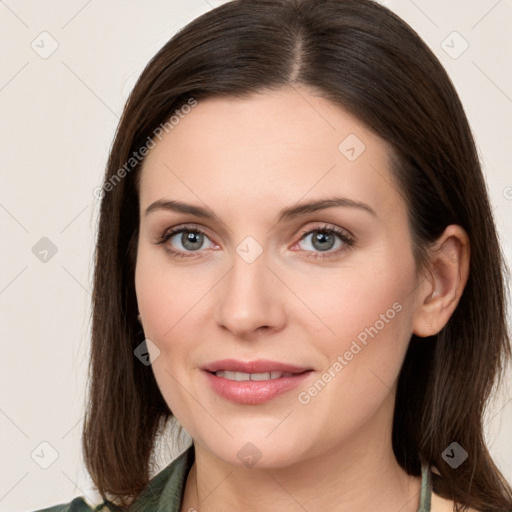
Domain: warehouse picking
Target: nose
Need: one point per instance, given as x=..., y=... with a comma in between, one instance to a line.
x=250, y=299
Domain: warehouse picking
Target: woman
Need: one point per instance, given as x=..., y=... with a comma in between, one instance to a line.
x=297, y=260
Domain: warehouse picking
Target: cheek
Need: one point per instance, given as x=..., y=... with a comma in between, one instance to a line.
x=366, y=315
x=165, y=297
x=371, y=319
x=165, y=301
x=358, y=303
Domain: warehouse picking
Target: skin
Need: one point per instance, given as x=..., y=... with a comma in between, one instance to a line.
x=245, y=160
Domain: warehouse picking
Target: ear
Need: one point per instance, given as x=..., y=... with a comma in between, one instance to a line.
x=447, y=274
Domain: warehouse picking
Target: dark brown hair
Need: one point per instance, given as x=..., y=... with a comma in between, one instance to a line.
x=364, y=58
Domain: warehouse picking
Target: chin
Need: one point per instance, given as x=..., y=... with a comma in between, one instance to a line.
x=258, y=451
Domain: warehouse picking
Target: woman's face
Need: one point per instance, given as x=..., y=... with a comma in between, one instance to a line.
x=330, y=289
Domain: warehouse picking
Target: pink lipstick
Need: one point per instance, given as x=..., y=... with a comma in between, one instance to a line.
x=253, y=382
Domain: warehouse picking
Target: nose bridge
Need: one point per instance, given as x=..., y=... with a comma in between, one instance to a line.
x=249, y=296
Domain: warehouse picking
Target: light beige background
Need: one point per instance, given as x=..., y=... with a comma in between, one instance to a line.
x=58, y=115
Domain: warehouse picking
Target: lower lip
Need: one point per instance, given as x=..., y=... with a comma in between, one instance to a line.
x=254, y=392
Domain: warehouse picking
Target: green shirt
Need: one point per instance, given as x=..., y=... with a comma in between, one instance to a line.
x=164, y=492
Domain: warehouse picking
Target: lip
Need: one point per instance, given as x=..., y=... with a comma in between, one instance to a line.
x=254, y=392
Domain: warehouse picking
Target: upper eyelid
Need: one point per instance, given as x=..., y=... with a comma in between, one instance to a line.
x=185, y=227
x=326, y=226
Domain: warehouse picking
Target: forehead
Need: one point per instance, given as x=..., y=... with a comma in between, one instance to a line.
x=272, y=148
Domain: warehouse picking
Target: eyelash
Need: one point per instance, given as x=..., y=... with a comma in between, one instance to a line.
x=347, y=240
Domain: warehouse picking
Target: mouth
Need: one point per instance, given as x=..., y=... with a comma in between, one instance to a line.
x=253, y=382
x=242, y=376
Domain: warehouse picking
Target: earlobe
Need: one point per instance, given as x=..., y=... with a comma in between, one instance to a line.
x=448, y=271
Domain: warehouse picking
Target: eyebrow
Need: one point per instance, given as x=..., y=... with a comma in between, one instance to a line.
x=285, y=214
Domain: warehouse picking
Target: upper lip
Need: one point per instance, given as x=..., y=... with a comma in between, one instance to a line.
x=258, y=366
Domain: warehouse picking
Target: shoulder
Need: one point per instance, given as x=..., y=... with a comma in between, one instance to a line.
x=168, y=484
x=439, y=504
x=79, y=505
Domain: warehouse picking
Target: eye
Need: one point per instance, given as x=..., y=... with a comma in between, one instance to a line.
x=320, y=242
x=325, y=239
x=182, y=240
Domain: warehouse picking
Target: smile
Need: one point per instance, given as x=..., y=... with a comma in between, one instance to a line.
x=253, y=382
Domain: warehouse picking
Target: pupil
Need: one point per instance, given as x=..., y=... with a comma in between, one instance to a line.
x=191, y=240
x=325, y=241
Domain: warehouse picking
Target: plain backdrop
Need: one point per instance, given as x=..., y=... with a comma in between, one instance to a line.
x=66, y=70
